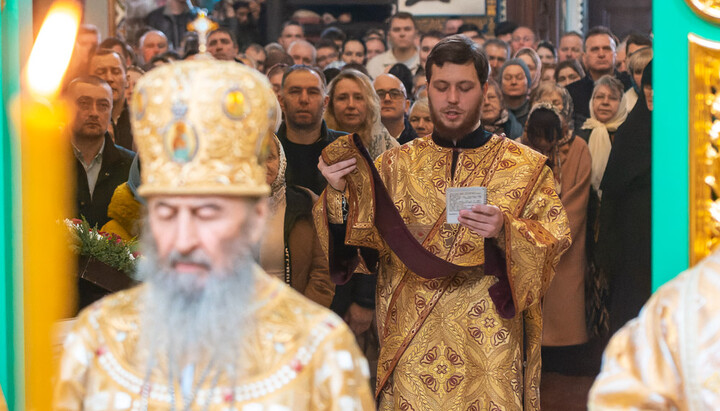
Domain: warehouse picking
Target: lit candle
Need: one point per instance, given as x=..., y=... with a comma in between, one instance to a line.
x=47, y=190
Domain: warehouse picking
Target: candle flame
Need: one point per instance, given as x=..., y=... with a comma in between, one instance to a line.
x=53, y=48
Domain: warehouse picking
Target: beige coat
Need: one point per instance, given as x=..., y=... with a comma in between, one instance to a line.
x=564, y=303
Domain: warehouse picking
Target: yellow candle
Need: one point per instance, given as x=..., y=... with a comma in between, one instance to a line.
x=47, y=192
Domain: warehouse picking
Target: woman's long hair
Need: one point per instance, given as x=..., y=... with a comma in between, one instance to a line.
x=366, y=129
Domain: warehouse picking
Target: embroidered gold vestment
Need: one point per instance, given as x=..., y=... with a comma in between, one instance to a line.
x=667, y=358
x=300, y=356
x=465, y=356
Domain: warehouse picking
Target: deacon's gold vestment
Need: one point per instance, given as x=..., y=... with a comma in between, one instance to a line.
x=668, y=358
x=300, y=356
x=465, y=356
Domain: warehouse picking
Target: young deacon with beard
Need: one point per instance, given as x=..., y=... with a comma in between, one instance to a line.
x=458, y=305
x=209, y=329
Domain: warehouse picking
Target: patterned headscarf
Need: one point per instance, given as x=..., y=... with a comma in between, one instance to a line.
x=554, y=159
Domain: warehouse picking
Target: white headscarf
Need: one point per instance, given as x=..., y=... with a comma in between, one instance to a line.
x=599, y=143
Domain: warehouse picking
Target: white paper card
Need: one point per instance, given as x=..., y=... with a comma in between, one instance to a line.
x=463, y=198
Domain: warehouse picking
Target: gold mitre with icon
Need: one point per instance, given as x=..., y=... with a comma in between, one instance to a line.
x=202, y=127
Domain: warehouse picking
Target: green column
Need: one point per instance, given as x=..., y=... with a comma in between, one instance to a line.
x=15, y=40
x=672, y=21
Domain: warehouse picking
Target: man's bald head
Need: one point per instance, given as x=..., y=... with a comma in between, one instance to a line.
x=394, y=103
x=153, y=43
x=302, y=52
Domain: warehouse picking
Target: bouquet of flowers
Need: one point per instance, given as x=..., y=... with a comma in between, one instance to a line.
x=105, y=247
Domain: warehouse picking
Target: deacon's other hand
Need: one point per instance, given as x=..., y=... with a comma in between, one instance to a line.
x=485, y=220
x=359, y=318
x=335, y=174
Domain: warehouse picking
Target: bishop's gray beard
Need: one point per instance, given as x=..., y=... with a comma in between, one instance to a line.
x=187, y=322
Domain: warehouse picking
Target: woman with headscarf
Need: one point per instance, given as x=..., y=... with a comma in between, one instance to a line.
x=534, y=64
x=290, y=249
x=606, y=115
x=515, y=83
x=565, y=344
x=354, y=107
x=625, y=223
x=495, y=116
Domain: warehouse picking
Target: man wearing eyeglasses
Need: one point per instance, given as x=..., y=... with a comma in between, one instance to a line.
x=394, y=106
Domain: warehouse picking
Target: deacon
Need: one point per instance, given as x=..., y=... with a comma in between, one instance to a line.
x=458, y=305
x=208, y=330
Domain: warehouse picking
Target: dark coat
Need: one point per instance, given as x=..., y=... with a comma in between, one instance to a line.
x=624, y=243
x=302, y=159
x=408, y=134
x=174, y=26
x=513, y=128
x=122, y=131
x=114, y=171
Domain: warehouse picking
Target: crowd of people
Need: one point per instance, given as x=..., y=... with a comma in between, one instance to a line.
x=581, y=108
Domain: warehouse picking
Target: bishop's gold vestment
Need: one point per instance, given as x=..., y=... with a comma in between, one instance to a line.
x=668, y=358
x=464, y=356
x=300, y=357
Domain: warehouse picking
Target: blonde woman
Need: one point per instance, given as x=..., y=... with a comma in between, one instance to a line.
x=355, y=108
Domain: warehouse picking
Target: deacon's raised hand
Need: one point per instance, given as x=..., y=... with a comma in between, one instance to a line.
x=335, y=174
x=485, y=220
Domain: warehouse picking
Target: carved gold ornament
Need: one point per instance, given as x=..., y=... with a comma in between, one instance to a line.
x=707, y=9
x=704, y=146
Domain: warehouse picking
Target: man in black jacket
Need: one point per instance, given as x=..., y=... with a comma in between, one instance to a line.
x=304, y=135
x=101, y=166
x=600, y=54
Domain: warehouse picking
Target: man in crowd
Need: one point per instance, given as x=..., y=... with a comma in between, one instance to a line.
x=394, y=106
x=402, y=46
x=452, y=24
x=153, y=43
x=257, y=53
x=302, y=52
x=275, y=75
x=110, y=66
x=600, y=54
x=86, y=43
x=304, y=134
x=570, y=47
x=327, y=52
x=523, y=37
x=427, y=42
x=222, y=44
x=635, y=42
x=375, y=47
x=172, y=19
x=291, y=31
x=473, y=32
x=208, y=329
x=664, y=358
x=504, y=30
x=498, y=52
x=100, y=165
x=459, y=305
